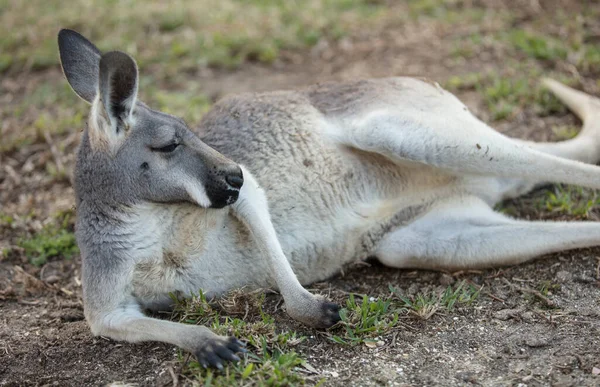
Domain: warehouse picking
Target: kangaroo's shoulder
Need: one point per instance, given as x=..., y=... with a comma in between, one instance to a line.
x=245, y=110
x=246, y=125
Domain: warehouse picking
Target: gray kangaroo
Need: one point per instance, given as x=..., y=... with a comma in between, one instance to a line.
x=284, y=188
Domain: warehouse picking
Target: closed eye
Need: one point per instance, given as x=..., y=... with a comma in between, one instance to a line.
x=167, y=149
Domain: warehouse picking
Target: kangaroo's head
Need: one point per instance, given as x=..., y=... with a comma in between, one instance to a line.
x=130, y=153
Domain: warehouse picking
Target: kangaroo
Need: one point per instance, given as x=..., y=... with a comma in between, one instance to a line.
x=282, y=189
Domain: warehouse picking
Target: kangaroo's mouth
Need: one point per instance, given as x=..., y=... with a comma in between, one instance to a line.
x=224, y=198
x=225, y=190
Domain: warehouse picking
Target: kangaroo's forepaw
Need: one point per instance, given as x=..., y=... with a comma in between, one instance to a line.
x=217, y=350
x=331, y=314
x=313, y=311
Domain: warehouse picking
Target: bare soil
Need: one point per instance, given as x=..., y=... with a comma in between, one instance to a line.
x=509, y=336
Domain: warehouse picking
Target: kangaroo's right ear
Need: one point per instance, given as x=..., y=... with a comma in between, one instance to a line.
x=80, y=61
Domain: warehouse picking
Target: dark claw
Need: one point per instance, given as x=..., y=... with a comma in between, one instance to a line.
x=331, y=314
x=236, y=346
x=225, y=353
x=214, y=352
x=214, y=360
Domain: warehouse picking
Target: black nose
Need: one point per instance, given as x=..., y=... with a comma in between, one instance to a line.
x=235, y=181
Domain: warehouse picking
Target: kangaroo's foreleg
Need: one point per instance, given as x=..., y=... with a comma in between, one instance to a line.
x=252, y=209
x=112, y=312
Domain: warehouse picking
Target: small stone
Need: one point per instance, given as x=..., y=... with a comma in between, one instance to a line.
x=446, y=280
x=595, y=371
x=413, y=289
x=335, y=374
x=528, y=317
x=536, y=342
x=563, y=276
x=506, y=314
x=584, y=279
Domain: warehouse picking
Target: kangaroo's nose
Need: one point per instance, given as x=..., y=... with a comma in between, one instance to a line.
x=235, y=180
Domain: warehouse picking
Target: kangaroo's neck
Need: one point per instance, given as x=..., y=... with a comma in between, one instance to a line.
x=149, y=230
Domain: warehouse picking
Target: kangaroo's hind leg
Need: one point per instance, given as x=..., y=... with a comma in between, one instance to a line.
x=585, y=147
x=440, y=132
x=464, y=232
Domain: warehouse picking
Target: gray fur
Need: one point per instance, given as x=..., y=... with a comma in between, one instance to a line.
x=80, y=62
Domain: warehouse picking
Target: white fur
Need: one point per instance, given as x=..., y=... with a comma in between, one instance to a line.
x=196, y=191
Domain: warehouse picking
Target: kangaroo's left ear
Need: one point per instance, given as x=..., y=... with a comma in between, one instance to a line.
x=79, y=59
x=118, y=88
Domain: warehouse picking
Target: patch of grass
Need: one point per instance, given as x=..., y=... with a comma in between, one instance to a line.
x=427, y=305
x=536, y=46
x=450, y=11
x=547, y=287
x=570, y=200
x=589, y=60
x=189, y=103
x=366, y=319
x=509, y=208
x=565, y=132
x=183, y=33
x=51, y=107
x=578, y=49
x=465, y=82
x=54, y=240
x=271, y=360
x=6, y=220
x=506, y=96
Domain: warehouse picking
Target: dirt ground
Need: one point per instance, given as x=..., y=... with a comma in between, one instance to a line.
x=511, y=335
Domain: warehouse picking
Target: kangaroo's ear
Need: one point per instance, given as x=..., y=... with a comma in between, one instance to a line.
x=118, y=86
x=80, y=61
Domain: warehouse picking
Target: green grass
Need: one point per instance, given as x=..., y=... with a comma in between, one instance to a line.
x=51, y=107
x=426, y=305
x=169, y=41
x=538, y=47
x=366, y=319
x=579, y=50
x=271, y=359
x=468, y=81
x=449, y=11
x=569, y=200
x=6, y=220
x=507, y=95
x=565, y=132
x=546, y=288
x=55, y=240
x=184, y=34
